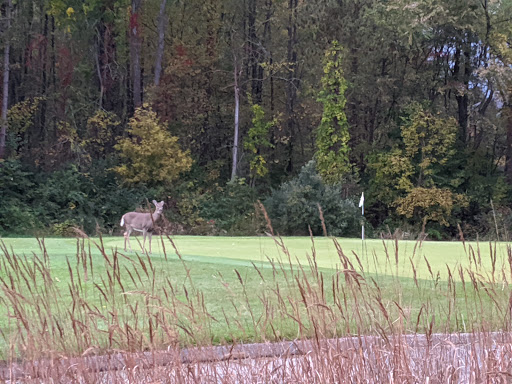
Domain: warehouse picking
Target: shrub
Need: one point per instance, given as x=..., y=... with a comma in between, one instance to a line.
x=66, y=228
x=294, y=206
x=145, y=162
x=16, y=186
x=231, y=208
x=87, y=200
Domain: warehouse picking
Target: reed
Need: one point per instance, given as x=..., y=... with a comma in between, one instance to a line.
x=356, y=323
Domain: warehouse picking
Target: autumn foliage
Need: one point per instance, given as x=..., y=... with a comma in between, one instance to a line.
x=151, y=155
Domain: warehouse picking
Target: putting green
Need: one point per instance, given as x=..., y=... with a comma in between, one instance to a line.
x=375, y=256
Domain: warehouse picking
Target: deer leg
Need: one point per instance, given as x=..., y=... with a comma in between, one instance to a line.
x=144, y=233
x=150, y=234
x=127, y=238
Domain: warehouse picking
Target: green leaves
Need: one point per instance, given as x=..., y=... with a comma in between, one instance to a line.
x=429, y=142
x=293, y=208
x=332, y=135
x=16, y=185
x=407, y=177
x=257, y=140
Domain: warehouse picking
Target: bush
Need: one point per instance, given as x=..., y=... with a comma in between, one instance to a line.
x=231, y=208
x=110, y=200
x=294, y=207
x=69, y=197
x=65, y=229
x=16, y=187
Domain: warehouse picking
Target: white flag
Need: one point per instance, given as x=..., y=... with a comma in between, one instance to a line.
x=361, y=202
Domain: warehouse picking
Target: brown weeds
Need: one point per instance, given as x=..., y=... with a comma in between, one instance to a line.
x=127, y=320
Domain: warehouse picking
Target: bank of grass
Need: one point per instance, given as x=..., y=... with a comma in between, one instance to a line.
x=73, y=296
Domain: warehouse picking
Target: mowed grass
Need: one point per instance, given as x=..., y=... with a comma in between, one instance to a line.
x=377, y=256
x=380, y=257
x=71, y=295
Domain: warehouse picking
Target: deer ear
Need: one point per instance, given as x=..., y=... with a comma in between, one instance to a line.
x=162, y=202
x=154, y=202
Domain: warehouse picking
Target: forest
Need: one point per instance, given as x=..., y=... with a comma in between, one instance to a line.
x=222, y=107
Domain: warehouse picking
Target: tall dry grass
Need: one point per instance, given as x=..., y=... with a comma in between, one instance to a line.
x=127, y=320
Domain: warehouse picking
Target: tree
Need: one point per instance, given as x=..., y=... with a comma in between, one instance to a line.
x=332, y=135
x=236, y=134
x=5, y=83
x=429, y=142
x=135, y=52
x=161, y=42
x=151, y=155
x=294, y=206
x=430, y=204
x=499, y=74
x=257, y=141
x=415, y=177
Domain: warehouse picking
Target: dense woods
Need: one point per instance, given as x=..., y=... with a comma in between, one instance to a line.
x=212, y=105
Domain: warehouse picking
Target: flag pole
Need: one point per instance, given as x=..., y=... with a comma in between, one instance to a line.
x=361, y=205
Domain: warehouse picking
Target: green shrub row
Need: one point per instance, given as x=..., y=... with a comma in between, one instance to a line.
x=57, y=202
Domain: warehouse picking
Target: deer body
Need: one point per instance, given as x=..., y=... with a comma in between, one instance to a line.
x=141, y=222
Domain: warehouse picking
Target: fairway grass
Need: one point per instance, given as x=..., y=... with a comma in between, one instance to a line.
x=70, y=295
x=377, y=256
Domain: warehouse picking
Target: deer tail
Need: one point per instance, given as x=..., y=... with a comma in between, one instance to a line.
x=122, y=221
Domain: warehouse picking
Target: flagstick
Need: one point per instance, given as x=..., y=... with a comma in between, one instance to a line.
x=362, y=227
x=362, y=230
x=361, y=204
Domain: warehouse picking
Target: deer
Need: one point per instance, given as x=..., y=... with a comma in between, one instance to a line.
x=141, y=222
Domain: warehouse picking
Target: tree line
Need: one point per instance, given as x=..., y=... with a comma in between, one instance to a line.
x=213, y=105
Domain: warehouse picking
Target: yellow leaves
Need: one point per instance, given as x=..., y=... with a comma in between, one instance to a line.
x=432, y=204
x=257, y=140
x=500, y=43
x=332, y=135
x=429, y=138
x=70, y=11
x=100, y=128
x=258, y=166
x=20, y=116
x=151, y=154
x=406, y=177
x=431, y=135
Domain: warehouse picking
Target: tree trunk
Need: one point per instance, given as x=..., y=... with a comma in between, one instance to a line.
x=463, y=99
x=5, y=88
x=291, y=89
x=161, y=41
x=255, y=54
x=99, y=72
x=106, y=58
x=135, y=48
x=237, y=110
x=508, y=152
x=267, y=39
